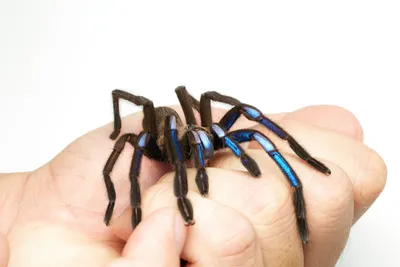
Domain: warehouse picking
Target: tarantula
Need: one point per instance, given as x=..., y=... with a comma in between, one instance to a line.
x=166, y=139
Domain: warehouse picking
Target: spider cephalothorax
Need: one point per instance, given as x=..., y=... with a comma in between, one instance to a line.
x=165, y=138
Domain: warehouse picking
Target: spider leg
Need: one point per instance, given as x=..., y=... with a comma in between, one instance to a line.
x=205, y=105
x=180, y=181
x=148, y=110
x=118, y=147
x=140, y=145
x=187, y=103
x=249, y=163
x=270, y=148
x=201, y=176
x=253, y=114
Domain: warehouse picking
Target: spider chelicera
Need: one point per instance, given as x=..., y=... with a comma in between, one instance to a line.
x=166, y=139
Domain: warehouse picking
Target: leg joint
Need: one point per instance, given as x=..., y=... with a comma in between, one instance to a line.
x=137, y=100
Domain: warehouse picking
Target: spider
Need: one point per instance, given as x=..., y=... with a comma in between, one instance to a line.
x=166, y=139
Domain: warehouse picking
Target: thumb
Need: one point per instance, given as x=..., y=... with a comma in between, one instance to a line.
x=157, y=241
x=4, y=252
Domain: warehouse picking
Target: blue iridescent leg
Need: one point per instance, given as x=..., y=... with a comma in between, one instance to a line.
x=140, y=145
x=230, y=142
x=171, y=143
x=195, y=142
x=254, y=114
x=298, y=198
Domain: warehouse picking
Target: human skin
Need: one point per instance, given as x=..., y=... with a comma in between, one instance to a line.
x=53, y=216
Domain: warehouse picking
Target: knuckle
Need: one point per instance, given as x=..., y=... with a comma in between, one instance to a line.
x=339, y=118
x=271, y=201
x=350, y=120
x=376, y=171
x=336, y=197
x=238, y=245
x=159, y=194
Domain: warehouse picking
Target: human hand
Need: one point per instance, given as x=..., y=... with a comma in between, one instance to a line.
x=53, y=216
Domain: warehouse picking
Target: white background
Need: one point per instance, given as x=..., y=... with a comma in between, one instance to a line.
x=60, y=60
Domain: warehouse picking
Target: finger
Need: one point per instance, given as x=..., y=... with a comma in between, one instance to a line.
x=366, y=169
x=329, y=203
x=329, y=117
x=221, y=236
x=157, y=241
x=4, y=251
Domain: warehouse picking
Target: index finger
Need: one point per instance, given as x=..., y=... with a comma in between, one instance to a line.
x=162, y=234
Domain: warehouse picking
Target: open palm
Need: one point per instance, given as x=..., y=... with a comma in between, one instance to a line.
x=53, y=216
x=63, y=203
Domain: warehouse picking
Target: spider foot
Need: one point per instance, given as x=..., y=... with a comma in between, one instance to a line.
x=136, y=216
x=109, y=211
x=319, y=166
x=186, y=210
x=300, y=210
x=303, y=154
x=303, y=231
x=250, y=164
x=202, y=181
x=114, y=135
